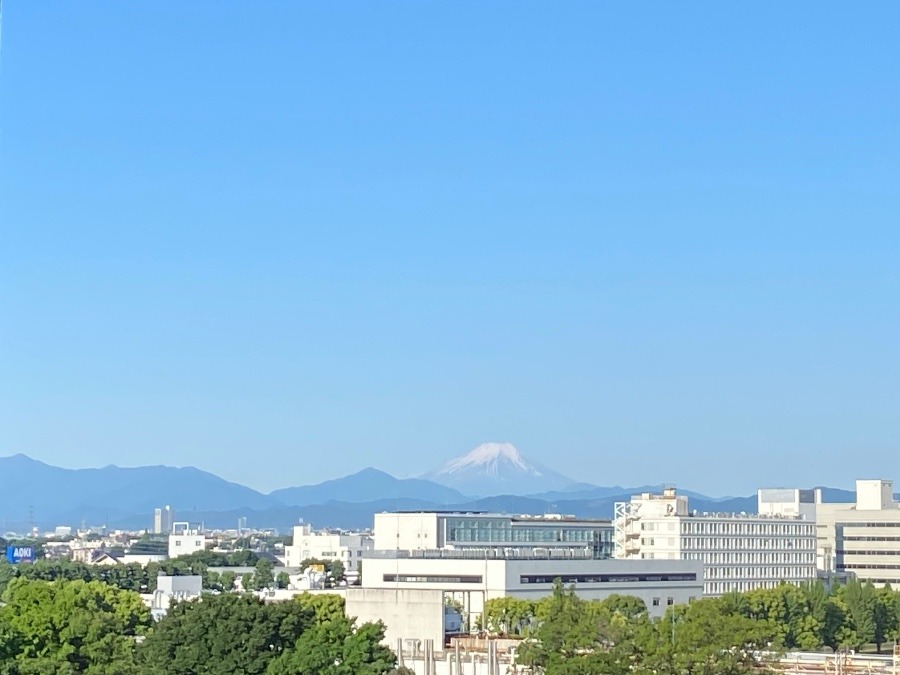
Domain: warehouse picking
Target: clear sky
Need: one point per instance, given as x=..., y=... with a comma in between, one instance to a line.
x=283, y=241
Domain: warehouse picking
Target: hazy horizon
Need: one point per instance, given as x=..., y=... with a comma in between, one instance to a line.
x=282, y=242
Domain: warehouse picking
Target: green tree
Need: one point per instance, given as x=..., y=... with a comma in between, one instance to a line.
x=247, y=582
x=264, y=576
x=336, y=570
x=324, y=606
x=72, y=626
x=626, y=606
x=706, y=637
x=335, y=647
x=507, y=616
x=861, y=603
x=570, y=640
x=282, y=580
x=221, y=635
x=226, y=580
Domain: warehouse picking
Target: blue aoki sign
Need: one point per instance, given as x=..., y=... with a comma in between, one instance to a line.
x=18, y=554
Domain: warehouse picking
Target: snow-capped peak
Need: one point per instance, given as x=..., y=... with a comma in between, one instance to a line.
x=495, y=469
x=489, y=455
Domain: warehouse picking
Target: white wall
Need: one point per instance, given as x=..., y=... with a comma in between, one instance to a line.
x=406, y=613
x=499, y=578
x=185, y=544
x=406, y=531
x=874, y=495
x=348, y=548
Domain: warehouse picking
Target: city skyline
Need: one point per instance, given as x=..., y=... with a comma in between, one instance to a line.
x=284, y=240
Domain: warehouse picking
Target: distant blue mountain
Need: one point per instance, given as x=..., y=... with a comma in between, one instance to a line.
x=366, y=486
x=126, y=497
x=56, y=495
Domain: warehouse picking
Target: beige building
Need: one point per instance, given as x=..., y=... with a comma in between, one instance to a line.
x=739, y=551
x=861, y=538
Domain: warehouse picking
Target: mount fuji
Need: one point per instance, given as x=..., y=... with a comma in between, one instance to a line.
x=499, y=469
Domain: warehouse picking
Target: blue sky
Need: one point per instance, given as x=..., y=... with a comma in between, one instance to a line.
x=284, y=241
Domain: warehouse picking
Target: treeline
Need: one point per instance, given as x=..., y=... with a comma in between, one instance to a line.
x=142, y=578
x=729, y=634
x=95, y=628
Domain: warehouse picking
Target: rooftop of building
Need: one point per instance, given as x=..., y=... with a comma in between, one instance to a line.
x=487, y=553
x=520, y=517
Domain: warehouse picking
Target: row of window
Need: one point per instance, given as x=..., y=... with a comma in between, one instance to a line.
x=462, y=530
x=753, y=528
x=605, y=578
x=734, y=543
x=863, y=566
x=852, y=552
x=722, y=587
x=427, y=579
x=806, y=558
x=859, y=538
x=760, y=572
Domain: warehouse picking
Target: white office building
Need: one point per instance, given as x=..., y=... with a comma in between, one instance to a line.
x=740, y=552
x=408, y=590
x=430, y=530
x=861, y=538
x=186, y=540
x=425, y=561
x=348, y=547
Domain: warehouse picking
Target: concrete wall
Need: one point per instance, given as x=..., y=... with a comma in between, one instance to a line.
x=406, y=613
x=474, y=581
x=874, y=495
x=406, y=531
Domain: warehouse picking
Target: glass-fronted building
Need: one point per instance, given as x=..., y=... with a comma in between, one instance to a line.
x=458, y=530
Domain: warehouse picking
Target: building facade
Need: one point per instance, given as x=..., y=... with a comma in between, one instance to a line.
x=348, y=547
x=163, y=520
x=739, y=552
x=186, y=540
x=861, y=538
x=407, y=531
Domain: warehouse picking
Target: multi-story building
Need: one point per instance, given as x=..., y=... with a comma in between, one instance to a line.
x=348, y=547
x=426, y=561
x=415, y=530
x=163, y=520
x=409, y=589
x=740, y=552
x=185, y=540
x=861, y=538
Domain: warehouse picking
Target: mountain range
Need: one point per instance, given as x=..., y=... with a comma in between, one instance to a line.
x=493, y=477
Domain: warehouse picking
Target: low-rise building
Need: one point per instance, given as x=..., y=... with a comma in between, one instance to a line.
x=186, y=540
x=169, y=589
x=408, y=590
x=348, y=547
x=739, y=551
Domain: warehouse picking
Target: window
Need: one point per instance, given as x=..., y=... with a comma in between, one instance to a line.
x=670, y=601
x=656, y=602
x=408, y=578
x=605, y=578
